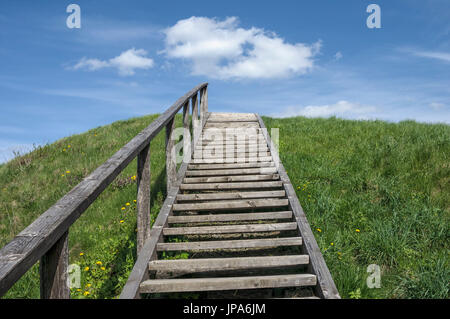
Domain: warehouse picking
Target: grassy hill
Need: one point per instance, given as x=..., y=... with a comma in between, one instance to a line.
x=373, y=192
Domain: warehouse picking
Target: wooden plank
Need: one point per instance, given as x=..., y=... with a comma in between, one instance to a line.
x=171, y=165
x=33, y=242
x=226, y=283
x=187, y=219
x=221, y=264
x=230, y=244
x=235, y=178
x=239, y=185
x=326, y=287
x=232, y=125
x=143, y=197
x=53, y=270
x=220, y=137
x=230, y=166
x=232, y=160
x=229, y=229
x=229, y=195
x=236, y=171
x=206, y=154
x=231, y=204
x=187, y=142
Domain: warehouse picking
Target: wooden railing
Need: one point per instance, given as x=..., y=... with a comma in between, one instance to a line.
x=46, y=239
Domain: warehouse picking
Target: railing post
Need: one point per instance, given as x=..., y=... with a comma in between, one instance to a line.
x=187, y=143
x=143, y=197
x=195, y=122
x=171, y=165
x=53, y=269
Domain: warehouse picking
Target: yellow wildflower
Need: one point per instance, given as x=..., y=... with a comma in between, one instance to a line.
x=121, y=221
x=78, y=289
x=127, y=204
x=103, y=268
x=99, y=262
x=134, y=201
x=123, y=208
x=332, y=244
x=86, y=293
x=67, y=172
x=88, y=285
x=81, y=254
x=357, y=230
x=319, y=230
x=86, y=269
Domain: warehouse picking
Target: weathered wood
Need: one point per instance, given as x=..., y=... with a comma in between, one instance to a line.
x=229, y=229
x=229, y=195
x=231, y=204
x=187, y=142
x=143, y=197
x=207, y=154
x=53, y=270
x=33, y=242
x=225, y=125
x=230, y=244
x=325, y=287
x=171, y=165
x=239, y=185
x=187, y=219
x=230, y=166
x=226, y=283
x=232, y=117
x=235, y=178
x=221, y=264
x=232, y=160
x=196, y=128
x=236, y=171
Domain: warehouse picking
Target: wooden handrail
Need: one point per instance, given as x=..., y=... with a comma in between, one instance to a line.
x=46, y=238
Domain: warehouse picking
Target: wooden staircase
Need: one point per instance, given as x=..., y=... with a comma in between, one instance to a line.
x=237, y=222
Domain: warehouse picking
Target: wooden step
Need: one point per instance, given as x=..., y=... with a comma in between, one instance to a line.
x=231, y=204
x=229, y=229
x=226, y=283
x=207, y=154
x=228, y=217
x=231, y=166
x=230, y=195
x=235, y=178
x=238, y=185
x=242, y=124
x=231, y=160
x=223, y=138
x=227, y=264
x=246, y=143
x=229, y=172
x=232, y=117
x=230, y=244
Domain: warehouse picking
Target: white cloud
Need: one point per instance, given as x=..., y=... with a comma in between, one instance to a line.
x=126, y=63
x=338, y=56
x=340, y=109
x=221, y=49
x=433, y=55
x=436, y=106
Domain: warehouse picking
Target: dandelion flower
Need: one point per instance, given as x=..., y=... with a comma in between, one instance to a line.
x=134, y=201
x=86, y=293
x=99, y=262
x=357, y=230
x=319, y=230
x=127, y=204
x=86, y=269
x=81, y=254
x=123, y=208
x=78, y=289
x=68, y=146
x=67, y=172
x=121, y=221
x=332, y=244
x=88, y=285
x=102, y=268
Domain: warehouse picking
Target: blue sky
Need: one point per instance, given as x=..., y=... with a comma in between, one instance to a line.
x=277, y=58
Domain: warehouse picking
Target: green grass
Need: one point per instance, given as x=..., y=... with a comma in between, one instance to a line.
x=389, y=181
